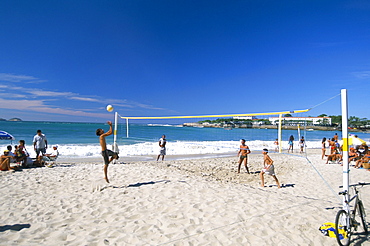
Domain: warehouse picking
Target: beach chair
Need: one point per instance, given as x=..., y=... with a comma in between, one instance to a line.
x=50, y=161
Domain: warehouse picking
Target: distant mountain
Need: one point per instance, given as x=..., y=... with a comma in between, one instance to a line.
x=1, y=119
x=14, y=119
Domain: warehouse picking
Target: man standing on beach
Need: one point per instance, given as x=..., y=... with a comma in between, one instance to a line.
x=40, y=143
x=106, y=153
x=243, y=155
x=162, y=147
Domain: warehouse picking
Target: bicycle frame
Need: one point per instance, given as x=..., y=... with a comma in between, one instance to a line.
x=346, y=217
x=347, y=206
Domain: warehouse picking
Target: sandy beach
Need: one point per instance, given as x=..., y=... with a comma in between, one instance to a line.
x=174, y=202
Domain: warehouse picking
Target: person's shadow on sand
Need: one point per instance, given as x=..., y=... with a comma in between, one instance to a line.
x=15, y=227
x=135, y=185
x=147, y=183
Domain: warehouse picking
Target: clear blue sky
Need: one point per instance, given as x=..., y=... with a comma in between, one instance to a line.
x=66, y=60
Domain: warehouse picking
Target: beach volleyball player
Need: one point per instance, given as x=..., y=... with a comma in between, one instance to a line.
x=107, y=154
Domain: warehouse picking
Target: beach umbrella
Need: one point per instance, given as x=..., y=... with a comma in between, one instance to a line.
x=6, y=136
x=352, y=140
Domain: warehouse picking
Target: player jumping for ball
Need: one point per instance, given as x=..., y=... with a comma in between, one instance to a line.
x=106, y=153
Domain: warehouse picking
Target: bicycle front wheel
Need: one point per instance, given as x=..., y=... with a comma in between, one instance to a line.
x=361, y=211
x=343, y=228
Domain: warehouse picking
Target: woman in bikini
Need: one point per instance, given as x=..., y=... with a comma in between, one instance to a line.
x=243, y=155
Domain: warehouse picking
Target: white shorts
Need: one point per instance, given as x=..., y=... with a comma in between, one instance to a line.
x=270, y=171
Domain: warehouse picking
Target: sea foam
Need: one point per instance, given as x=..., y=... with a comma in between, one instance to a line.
x=173, y=148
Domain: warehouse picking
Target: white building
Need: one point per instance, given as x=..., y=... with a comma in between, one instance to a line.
x=301, y=120
x=244, y=117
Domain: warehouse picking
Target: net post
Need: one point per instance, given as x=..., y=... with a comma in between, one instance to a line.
x=115, y=147
x=127, y=127
x=115, y=132
x=279, y=133
x=345, y=145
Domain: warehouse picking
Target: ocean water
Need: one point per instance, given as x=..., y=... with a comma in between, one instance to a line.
x=79, y=139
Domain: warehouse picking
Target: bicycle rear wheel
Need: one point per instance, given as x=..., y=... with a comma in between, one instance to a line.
x=343, y=228
x=361, y=211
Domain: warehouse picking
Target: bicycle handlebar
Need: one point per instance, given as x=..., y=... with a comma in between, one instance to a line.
x=359, y=184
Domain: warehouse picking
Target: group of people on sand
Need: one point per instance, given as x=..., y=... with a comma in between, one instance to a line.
x=359, y=154
x=109, y=155
x=21, y=157
x=268, y=163
x=302, y=144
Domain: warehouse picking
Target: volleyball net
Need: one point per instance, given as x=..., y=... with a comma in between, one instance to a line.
x=211, y=134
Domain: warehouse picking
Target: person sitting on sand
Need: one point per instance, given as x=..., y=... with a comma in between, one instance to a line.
x=268, y=168
x=243, y=155
x=5, y=161
x=10, y=148
x=362, y=160
x=49, y=157
x=21, y=153
x=336, y=157
x=352, y=155
x=362, y=149
x=106, y=153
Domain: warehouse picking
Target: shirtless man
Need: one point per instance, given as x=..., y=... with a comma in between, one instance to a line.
x=268, y=168
x=243, y=155
x=106, y=153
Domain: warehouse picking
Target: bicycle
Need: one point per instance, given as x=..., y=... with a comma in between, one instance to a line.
x=345, y=221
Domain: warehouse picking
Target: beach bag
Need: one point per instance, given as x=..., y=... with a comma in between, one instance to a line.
x=328, y=229
x=366, y=165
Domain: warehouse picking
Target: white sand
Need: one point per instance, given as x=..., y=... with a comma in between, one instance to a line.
x=183, y=202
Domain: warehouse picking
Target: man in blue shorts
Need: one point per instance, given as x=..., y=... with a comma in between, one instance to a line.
x=40, y=143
